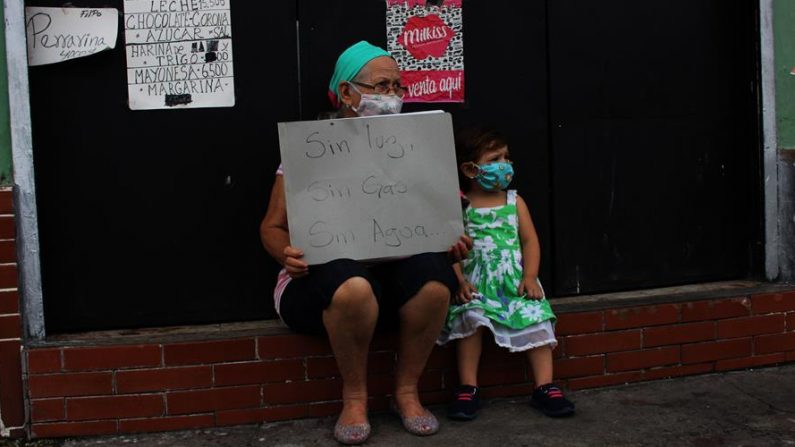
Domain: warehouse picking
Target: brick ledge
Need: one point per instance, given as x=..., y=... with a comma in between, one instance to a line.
x=583, y=303
x=666, y=295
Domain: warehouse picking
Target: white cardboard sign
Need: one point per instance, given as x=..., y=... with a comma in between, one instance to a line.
x=371, y=188
x=179, y=54
x=60, y=34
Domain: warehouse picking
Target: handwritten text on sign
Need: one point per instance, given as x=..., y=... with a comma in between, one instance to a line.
x=179, y=53
x=370, y=188
x=60, y=34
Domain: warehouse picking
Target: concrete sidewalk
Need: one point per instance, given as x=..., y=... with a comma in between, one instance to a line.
x=746, y=408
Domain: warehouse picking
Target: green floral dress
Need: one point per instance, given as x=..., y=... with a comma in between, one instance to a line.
x=494, y=267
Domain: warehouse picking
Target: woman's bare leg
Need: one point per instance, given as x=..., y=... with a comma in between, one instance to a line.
x=421, y=321
x=350, y=321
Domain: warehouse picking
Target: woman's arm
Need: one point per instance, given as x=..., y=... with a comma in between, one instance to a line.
x=531, y=251
x=275, y=234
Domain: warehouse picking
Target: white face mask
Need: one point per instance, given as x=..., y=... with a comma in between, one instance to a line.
x=371, y=105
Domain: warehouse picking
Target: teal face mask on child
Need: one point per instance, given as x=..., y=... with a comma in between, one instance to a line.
x=495, y=176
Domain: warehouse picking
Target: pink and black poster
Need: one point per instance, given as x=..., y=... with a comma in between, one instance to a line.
x=425, y=38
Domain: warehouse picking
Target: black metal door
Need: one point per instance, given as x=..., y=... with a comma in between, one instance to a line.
x=654, y=142
x=151, y=217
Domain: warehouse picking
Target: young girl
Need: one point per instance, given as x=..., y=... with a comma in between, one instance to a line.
x=499, y=292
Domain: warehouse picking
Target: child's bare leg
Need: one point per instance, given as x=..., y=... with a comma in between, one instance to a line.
x=547, y=397
x=469, y=350
x=541, y=361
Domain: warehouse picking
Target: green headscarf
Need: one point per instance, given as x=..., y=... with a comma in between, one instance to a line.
x=350, y=63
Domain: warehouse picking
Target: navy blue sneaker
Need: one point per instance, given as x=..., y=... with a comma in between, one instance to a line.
x=550, y=400
x=466, y=403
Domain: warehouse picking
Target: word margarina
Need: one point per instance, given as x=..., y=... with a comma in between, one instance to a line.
x=185, y=87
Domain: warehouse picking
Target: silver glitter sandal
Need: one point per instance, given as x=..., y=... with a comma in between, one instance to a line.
x=423, y=425
x=352, y=434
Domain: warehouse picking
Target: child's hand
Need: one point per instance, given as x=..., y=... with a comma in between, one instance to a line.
x=530, y=286
x=459, y=251
x=465, y=291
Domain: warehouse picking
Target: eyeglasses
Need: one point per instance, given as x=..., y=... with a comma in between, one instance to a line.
x=383, y=87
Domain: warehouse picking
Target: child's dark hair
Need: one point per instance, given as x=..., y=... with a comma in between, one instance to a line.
x=471, y=143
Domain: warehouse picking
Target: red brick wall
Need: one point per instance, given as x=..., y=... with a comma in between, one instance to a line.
x=12, y=410
x=147, y=387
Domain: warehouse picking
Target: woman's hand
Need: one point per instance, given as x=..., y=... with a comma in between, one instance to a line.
x=295, y=267
x=460, y=250
x=465, y=291
x=529, y=285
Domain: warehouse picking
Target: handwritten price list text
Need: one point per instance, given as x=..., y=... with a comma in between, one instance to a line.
x=179, y=53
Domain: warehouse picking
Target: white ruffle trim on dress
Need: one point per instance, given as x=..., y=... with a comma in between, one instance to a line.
x=515, y=340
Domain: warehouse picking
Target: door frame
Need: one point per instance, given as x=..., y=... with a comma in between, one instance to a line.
x=770, y=180
x=26, y=214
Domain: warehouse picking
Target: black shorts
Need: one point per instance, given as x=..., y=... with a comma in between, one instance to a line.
x=393, y=282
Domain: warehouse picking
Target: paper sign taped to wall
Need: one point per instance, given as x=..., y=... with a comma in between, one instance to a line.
x=426, y=39
x=179, y=54
x=60, y=34
x=371, y=187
